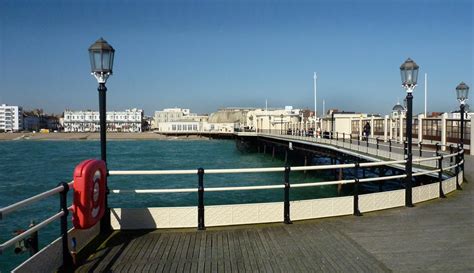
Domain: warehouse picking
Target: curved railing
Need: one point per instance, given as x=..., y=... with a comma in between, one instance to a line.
x=218, y=215
x=373, y=146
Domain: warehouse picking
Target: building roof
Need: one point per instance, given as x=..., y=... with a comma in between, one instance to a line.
x=398, y=107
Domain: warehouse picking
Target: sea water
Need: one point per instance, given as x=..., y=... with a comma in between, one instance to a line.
x=31, y=167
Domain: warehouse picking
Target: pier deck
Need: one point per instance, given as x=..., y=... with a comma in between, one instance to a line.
x=434, y=236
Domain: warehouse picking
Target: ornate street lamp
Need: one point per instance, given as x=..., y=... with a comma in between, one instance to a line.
x=102, y=60
x=409, y=75
x=462, y=92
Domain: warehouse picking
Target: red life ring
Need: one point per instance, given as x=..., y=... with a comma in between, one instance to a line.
x=89, y=193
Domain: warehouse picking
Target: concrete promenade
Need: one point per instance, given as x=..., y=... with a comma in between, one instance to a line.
x=435, y=236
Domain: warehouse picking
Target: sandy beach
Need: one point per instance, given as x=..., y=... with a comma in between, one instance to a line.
x=93, y=136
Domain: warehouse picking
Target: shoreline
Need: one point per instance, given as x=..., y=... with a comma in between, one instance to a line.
x=95, y=136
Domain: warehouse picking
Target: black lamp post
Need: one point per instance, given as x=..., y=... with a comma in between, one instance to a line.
x=102, y=60
x=462, y=92
x=281, y=124
x=409, y=74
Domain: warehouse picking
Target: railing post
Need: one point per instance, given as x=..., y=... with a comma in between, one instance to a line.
x=286, y=206
x=421, y=149
x=67, y=259
x=343, y=137
x=390, y=145
x=440, y=177
x=451, y=150
x=356, y=190
x=405, y=147
x=201, y=225
x=350, y=140
x=458, y=187
x=33, y=245
x=377, y=139
x=437, y=148
x=358, y=140
x=337, y=136
x=367, y=140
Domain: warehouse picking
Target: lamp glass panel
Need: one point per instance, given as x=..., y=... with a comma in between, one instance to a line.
x=402, y=74
x=97, y=61
x=106, y=61
x=415, y=76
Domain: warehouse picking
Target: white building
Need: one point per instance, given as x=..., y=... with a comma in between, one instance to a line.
x=262, y=120
x=11, y=118
x=129, y=120
x=169, y=114
x=191, y=126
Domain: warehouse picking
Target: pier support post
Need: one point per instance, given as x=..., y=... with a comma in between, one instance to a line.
x=201, y=225
x=286, y=156
x=356, y=190
x=67, y=259
x=286, y=207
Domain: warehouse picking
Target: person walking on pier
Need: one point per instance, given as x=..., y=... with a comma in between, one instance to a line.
x=366, y=131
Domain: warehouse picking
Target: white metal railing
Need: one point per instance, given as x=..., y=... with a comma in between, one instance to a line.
x=278, y=169
x=62, y=189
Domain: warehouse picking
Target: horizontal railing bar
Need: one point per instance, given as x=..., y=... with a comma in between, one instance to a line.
x=156, y=191
x=450, y=167
x=380, y=163
x=450, y=155
x=30, y=231
x=421, y=159
x=322, y=167
x=8, y=209
x=245, y=188
x=425, y=172
x=152, y=172
x=371, y=179
x=312, y=184
x=245, y=170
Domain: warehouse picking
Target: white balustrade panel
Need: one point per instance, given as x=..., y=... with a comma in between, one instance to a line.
x=381, y=200
x=225, y=215
x=153, y=218
x=425, y=192
x=319, y=208
x=449, y=185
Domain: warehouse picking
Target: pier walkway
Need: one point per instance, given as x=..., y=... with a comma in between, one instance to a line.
x=434, y=236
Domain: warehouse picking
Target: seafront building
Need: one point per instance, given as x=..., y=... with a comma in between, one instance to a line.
x=266, y=120
x=11, y=118
x=129, y=120
x=179, y=120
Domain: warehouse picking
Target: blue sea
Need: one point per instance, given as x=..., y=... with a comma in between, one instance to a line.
x=31, y=167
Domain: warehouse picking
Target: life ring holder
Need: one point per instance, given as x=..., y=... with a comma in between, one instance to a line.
x=89, y=193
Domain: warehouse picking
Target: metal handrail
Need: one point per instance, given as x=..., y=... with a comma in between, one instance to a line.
x=30, y=231
x=8, y=209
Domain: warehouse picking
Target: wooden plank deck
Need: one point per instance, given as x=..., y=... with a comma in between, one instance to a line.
x=434, y=236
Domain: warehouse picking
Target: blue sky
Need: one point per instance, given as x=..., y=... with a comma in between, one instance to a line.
x=205, y=55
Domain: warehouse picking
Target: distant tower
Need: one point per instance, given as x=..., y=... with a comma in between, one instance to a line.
x=324, y=105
